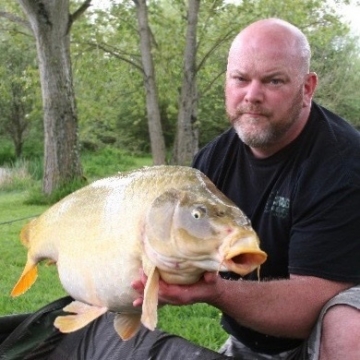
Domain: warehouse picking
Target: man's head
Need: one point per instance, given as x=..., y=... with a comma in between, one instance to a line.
x=268, y=86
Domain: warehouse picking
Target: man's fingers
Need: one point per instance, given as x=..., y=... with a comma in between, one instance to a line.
x=210, y=277
x=139, y=286
x=138, y=302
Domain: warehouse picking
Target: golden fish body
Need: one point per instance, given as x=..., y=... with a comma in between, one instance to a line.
x=169, y=220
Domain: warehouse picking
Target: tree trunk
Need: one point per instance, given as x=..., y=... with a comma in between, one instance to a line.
x=17, y=125
x=186, y=140
x=50, y=22
x=152, y=104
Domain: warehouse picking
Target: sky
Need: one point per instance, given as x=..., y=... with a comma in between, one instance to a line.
x=352, y=14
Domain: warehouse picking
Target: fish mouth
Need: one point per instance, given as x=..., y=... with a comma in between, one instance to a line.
x=246, y=262
x=243, y=258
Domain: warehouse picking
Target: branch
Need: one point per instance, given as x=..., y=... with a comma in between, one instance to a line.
x=220, y=41
x=116, y=55
x=16, y=31
x=209, y=86
x=75, y=15
x=15, y=19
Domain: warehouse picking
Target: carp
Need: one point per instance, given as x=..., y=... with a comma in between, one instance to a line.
x=169, y=220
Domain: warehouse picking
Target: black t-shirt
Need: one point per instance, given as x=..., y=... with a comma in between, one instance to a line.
x=303, y=202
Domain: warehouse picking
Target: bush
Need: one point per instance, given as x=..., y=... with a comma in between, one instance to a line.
x=37, y=197
x=106, y=161
x=36, y=168
x=7, y=155
x=26, y=174
x=16, y=176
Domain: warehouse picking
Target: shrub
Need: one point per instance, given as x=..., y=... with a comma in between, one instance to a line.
x=37, y=197
x=7, y=155
x=106, y=161
x=15, y=177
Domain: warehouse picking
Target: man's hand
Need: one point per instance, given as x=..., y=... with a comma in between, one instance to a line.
x=172, y=294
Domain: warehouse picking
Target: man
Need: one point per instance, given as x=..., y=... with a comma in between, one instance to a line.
x=294, y=168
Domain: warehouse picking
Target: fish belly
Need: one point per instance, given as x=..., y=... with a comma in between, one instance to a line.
x=101, y=280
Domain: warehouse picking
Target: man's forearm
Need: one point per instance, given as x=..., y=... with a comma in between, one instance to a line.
x=286, y=308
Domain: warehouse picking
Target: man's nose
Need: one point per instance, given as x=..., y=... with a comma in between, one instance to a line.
x=254, y=92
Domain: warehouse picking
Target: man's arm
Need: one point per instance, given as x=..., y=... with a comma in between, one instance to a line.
x=284, y=308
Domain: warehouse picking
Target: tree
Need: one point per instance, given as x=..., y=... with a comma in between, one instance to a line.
x=166, y=52
x=217, y=23
x=338, y=65
x=17, y=90
x=186, y=139
x=152, y=104
x=111, y=97
x=50, y=22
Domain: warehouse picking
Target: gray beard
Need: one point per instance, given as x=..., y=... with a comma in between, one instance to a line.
x=274, y=132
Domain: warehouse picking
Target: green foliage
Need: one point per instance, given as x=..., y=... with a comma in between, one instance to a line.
x=24, y=174
x=108, y=71
x=104, y=162
x=16, y=176
x=110, y=160
x=7, y=155
x=19, y=94
x=37, y=197
x=35, y=167
x=338, y=67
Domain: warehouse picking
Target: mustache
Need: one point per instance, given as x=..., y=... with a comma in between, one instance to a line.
x=253, y=109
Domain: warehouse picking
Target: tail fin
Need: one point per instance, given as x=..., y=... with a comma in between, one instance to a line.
x=27, y=279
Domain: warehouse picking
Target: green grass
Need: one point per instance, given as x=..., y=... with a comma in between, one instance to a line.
x=198, y=323
x=13, y=215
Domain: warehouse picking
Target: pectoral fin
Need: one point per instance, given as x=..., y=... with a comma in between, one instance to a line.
x=27, y=279
x=127, y=325
x=83, y=315
x=150, y=302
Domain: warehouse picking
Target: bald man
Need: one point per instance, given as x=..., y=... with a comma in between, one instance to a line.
x=294, y=168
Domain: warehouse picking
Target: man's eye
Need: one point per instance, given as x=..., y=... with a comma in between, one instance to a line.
x=239, y=79
x=276, y=81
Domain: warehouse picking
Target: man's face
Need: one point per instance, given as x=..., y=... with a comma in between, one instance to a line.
x=264, y=92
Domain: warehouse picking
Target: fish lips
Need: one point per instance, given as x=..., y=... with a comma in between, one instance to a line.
x=242, y=256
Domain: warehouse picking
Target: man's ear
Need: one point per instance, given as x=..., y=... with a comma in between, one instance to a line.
x=309, y=88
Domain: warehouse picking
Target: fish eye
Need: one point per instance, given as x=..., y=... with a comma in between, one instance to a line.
x=198, y=212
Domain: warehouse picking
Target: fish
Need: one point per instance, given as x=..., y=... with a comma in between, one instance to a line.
x=169, y=220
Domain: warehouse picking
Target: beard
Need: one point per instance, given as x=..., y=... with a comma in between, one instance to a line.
x=257, y=131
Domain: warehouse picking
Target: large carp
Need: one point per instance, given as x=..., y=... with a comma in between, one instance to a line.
x=169, y=220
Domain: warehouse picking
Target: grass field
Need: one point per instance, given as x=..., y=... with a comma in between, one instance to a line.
x=198, y=323
x=13, y=257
